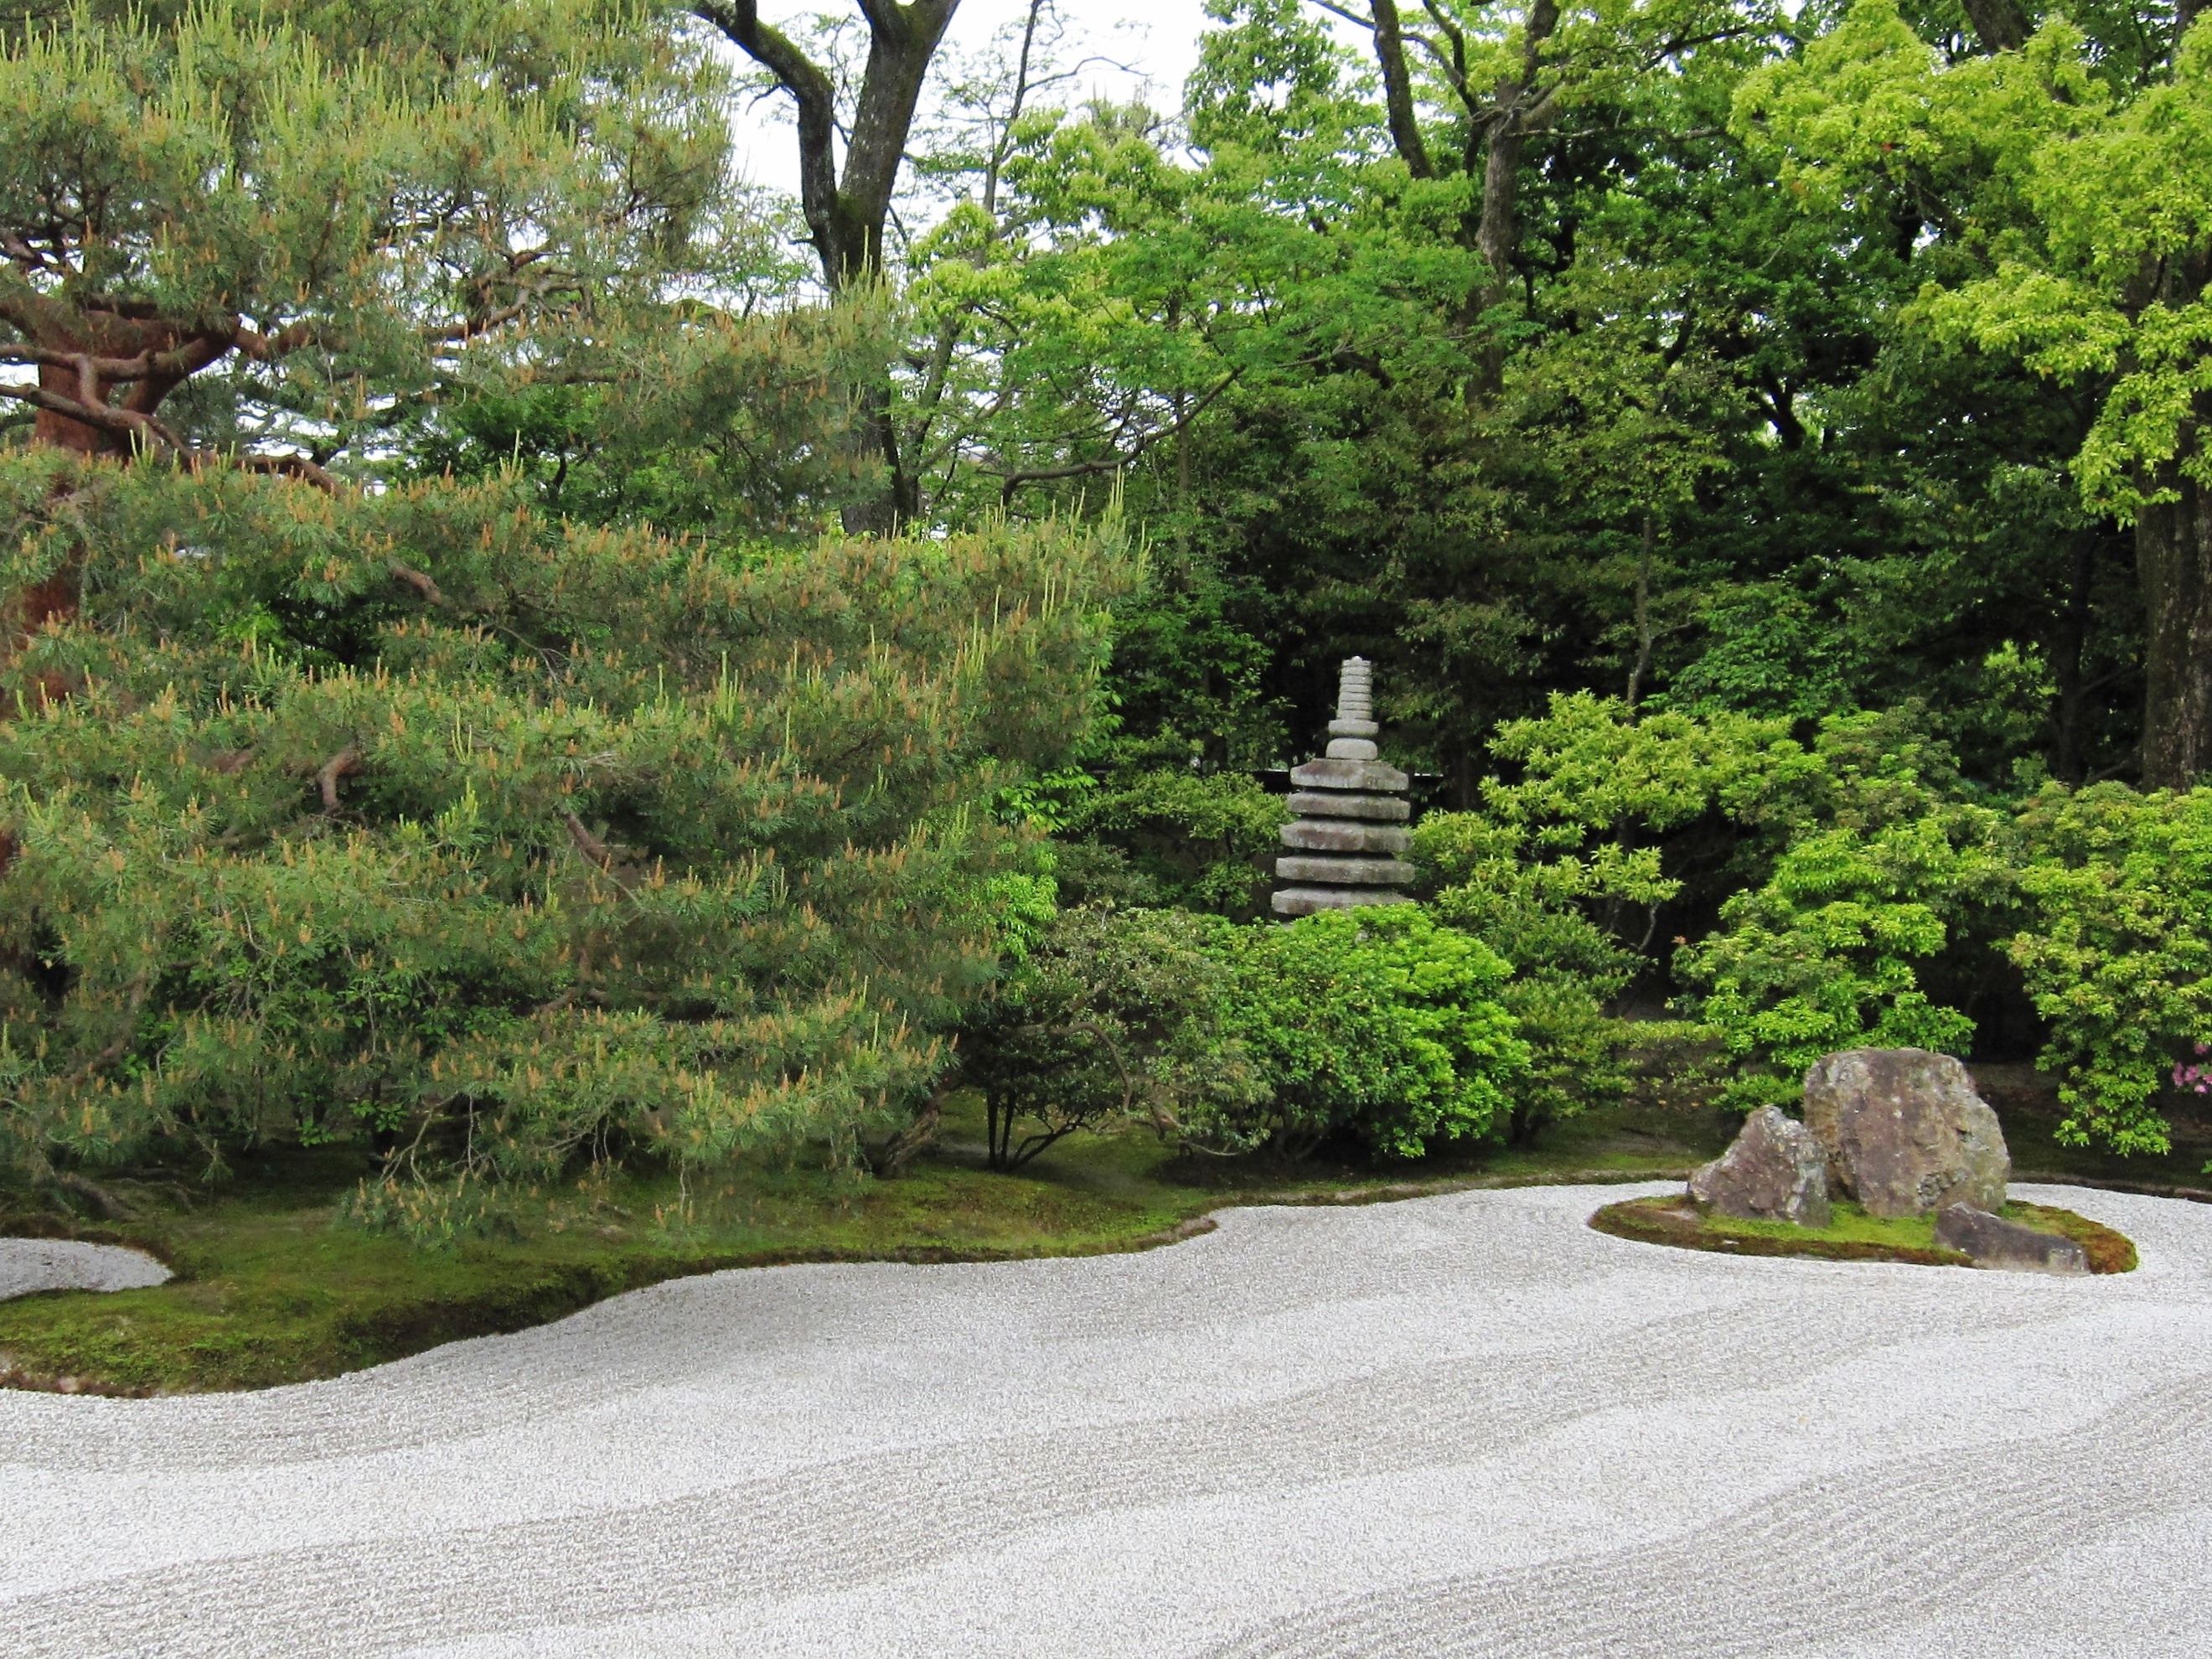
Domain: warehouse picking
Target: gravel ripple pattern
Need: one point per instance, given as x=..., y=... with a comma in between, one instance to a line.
x=1455, y=1426
x=53, y=1264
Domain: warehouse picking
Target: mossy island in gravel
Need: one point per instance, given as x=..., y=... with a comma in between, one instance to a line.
x=1851, y=1235
x=1897, y=1159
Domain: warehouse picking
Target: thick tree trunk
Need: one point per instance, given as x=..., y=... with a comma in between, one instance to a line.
x=2173, y=565
x=1999, y=25
x=1398, y=91
x=58, y=431
x=845, y=217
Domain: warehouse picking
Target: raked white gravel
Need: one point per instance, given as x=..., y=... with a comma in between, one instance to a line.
x=1454, y=1425
x=51, y=1264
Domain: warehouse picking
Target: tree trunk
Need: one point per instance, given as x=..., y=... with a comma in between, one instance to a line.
x=1500, y=119
x=1398, y=91
x=1999, y=25
x=2173, y=566
x=1645, y=639
x=2069, y=647
x=58, y=431
x=845, y=217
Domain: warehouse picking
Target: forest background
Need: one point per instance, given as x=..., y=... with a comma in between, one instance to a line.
x=529, y=647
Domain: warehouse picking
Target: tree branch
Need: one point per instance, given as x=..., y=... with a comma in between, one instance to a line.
x=118, y=422
x=1009, y=482
x=345, y=763
x=284, y=466
x=1398, y=91
x=596, y=851
x=421, y=583
x=816, y=97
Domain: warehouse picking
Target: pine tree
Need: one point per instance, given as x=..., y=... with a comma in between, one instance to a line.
x=403, y=813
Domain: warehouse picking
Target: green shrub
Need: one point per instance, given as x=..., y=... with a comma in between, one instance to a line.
x=1822, y=957
x=2117, y=952
x=1567, y=968
x=1377, y=1024
x=1563, y=871
x=1112, y=1017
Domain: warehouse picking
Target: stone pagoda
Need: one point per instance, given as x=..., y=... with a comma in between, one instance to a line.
x=1352, y=812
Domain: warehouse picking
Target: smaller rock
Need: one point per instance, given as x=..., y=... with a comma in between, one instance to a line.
x=1775, y=1171
x=1993, y=1242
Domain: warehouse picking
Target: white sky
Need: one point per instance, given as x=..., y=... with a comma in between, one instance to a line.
x=1157, y=41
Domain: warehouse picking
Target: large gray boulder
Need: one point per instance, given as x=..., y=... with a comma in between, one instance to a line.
x=1993, y=1242
x=1775, y=1171
x=1905, y=1131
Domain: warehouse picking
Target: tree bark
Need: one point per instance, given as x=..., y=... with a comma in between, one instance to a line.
x=1999, y=25
x=845, y=217
x=1518, y=110
x=2173, y=566
x=1500, y=119
x=1398, y=91
x=2069, y=761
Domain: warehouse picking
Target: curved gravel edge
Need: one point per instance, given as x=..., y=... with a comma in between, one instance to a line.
x=61, y=1264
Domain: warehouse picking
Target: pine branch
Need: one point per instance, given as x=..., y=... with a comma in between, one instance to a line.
x=345, y=763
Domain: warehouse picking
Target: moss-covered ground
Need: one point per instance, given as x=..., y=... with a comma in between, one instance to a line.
x=1851, y=1235
x=269, y=1290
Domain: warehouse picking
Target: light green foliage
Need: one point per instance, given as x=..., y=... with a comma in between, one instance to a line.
x=1560, y=872
x=1862, y=861
x=1559, y=865
x=2076, y=198
x=1592, y=767
x=1821, y=956
x=1111, y=1018
x=2117, y=952
x=412, y=814
x=1877, y=867
x=1550, y=860
x=1377, y=1025
x=1542, y=916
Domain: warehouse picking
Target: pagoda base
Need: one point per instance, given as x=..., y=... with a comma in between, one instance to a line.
x=1304, y=901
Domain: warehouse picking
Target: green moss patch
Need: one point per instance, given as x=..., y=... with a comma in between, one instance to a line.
x=1852, y=1235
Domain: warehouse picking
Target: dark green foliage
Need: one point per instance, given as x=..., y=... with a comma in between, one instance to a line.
x=724, y=427
x=415, y=816
x=1110, y=1018
x=1205, y=841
